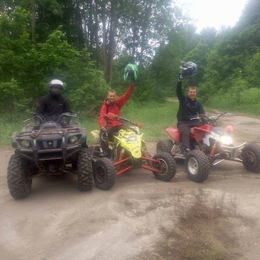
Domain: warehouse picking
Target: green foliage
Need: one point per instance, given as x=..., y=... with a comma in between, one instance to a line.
x=147, y=87
x=233, y=57
x=25, y=69
x=86, y=85
x=14, y=45
x=8, y=125
x=12, y=97
x=251, y=14
x=252, y=70
x=198, y=55
x=237, y=98
x=54, y=53
x=62, y=39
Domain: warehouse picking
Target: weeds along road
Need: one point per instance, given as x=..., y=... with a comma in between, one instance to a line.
x=140, y=217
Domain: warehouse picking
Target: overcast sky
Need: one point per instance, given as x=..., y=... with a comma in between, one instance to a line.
x=213, y=13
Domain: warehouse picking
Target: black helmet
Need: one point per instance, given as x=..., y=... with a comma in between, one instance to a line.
x=55, y=83
x=131, y=72
x=188, y=69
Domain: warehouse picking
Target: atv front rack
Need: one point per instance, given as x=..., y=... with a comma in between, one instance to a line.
x=143, y=160
x=48, y=144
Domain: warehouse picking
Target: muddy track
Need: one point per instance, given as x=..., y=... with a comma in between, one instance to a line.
x=140, y=217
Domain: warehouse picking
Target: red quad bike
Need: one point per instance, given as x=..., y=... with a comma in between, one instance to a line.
x=127, y=150
x=210, y=145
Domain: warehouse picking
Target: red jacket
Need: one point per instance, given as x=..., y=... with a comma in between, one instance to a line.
x=114, y=108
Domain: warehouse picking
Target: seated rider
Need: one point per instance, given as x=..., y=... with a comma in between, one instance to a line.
x=112, y=104
x=189, y=108
x=51, y=106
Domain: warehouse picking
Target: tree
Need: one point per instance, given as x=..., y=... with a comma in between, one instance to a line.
x=250, y=14
x=25, y=71
x=198, y=55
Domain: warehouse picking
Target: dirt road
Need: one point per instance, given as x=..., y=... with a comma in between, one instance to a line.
x=140, y=217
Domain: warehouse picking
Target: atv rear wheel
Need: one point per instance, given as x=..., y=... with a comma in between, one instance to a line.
x=164, y=146
x=251, y=157
x=197, y=166
x=166, y=164
x=18, y=177
x=84, y=170
x=104, y=173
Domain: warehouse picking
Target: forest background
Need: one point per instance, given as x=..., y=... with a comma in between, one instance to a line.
x=88, y=43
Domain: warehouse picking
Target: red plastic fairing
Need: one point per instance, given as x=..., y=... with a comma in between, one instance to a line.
x=229, y=128
x=200, y=131
x=174, y=133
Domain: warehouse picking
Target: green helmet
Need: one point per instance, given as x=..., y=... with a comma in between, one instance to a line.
x=131, y=71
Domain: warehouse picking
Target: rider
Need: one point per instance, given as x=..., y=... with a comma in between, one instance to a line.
x=51, y=106
x=189, y=107
x=113, y=104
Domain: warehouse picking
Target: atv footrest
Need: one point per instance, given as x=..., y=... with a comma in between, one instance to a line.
x=150, y=168
x=123, y=170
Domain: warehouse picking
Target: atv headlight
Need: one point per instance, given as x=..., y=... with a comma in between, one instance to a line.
x=73, y=139
x=227, y=140
x=25, y=144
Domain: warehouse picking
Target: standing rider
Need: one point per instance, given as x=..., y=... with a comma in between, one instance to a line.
x=189, y=107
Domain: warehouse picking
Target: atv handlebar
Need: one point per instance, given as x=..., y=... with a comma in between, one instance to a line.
x=40, y=118
x=211, y=120
x=123, y=120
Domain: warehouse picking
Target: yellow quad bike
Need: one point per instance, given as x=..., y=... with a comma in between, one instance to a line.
x=127, y=151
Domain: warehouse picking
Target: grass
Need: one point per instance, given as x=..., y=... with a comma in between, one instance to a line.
x=154, y=117
x=245, y=101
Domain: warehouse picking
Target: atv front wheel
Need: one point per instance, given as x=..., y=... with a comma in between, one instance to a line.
x=104, y=173
x=197, y=166
x=18, y=177
x=164, y=146
x=166, y=164
x=251, y=157
x=84, y=170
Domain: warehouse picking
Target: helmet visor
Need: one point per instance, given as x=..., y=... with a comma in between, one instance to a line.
x=56, y=89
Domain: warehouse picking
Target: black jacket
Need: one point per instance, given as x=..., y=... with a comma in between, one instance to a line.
x=188, y=109
x=52, y=106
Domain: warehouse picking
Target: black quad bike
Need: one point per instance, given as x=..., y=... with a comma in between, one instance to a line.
x=210, y=145
x=48, y=147
x=127, y=150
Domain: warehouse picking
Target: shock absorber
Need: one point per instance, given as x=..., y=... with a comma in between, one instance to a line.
x=213, y=149
x=121, y=154
x=144, y=153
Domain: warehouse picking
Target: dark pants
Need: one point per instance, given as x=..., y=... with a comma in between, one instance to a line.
x=184, y=127
x=108, y=135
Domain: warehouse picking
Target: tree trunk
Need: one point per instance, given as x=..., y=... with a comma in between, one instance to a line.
x=144, y=30
x=95, y=35
x=2, y=7
x=104, y=31
x=134, y=31
x=33, y=22
x=111, y=44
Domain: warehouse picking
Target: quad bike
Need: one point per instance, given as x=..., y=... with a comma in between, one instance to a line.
x=210, y=145
x=127, y=150
x=48, y=147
